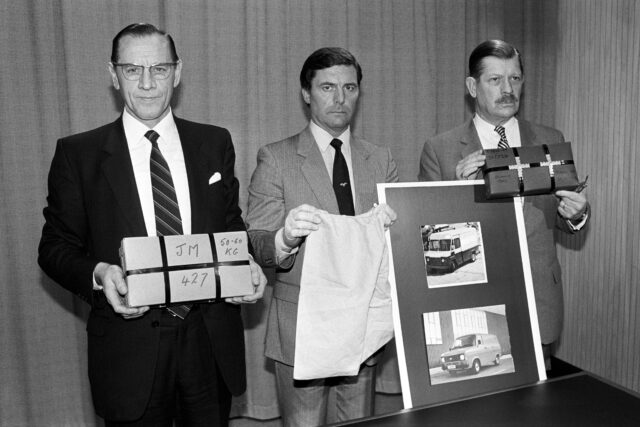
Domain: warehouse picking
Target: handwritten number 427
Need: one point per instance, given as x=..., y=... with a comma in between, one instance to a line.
x=195, y=279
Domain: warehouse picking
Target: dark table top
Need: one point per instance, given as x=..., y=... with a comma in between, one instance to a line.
x=575, y=400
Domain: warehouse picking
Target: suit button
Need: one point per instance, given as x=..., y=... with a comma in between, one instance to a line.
x=155, y=324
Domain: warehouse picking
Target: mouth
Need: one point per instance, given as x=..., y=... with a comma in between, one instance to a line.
x=507, y=101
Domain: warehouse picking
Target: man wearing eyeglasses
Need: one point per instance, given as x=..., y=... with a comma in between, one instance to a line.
x=148, y=173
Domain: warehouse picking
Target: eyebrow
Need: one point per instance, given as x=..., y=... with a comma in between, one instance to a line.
x=151, y=65
x=336, y=84
x=503, y=74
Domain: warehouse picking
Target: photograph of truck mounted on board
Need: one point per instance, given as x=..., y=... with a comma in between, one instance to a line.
x=453, y=254
x=467, y=344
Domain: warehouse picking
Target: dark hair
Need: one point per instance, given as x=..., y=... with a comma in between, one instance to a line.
x=498, y=48
x=141, y=30
x=326, y=57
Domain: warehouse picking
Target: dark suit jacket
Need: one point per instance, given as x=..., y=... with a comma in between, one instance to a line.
x=438, y=162
x=289, y=173
x=92, y=204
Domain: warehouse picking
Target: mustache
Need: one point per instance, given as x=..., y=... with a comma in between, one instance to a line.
x=507, y=99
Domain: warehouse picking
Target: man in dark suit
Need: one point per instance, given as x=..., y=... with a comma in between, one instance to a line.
x=143, y=363
x=294, y=181
x=495, y=82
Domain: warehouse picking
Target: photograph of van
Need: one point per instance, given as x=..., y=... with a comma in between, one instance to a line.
x=453, y=254
x=469, y=353
x=468, y=343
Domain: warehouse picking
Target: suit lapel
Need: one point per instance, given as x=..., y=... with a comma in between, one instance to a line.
x=117, y=169
x=315, y=171
x=470, y=143
x=363, y=175
x=527, y=136
x=195, y=160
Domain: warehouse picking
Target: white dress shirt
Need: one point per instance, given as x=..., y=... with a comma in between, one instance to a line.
x=140, y=153
x=489, y=138
x=323, y=139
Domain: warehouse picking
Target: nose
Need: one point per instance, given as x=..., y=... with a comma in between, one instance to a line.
x=507, y=87
x=338, y=96
x=146, y=81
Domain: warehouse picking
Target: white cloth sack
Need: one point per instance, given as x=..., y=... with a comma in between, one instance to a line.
x=344, y=308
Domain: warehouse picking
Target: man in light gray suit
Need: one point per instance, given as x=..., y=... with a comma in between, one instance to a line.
x=495, y=82
x=323, y=168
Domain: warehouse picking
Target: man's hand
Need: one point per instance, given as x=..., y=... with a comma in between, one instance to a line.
x=468, y=167
x=572, y=205
x=385, y=212
x=111, y=278
x=259, y=281
x=300, y=222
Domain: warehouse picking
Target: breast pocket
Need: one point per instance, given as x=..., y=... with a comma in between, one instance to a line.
x=216, y=205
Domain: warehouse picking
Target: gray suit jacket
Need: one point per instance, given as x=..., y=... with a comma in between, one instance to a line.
x=440, y=156
x=289, y=173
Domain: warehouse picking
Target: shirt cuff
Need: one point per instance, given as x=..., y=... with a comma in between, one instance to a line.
x=282, y=251
x=96, y=287
x=577, y=224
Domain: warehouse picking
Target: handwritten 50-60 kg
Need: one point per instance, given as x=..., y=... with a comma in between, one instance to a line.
x=193, y=250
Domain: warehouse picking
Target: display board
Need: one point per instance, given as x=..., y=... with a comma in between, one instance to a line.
x=463, y=304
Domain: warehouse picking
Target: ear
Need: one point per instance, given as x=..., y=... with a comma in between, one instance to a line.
x=177, y=74
x=471, y=86
x=306, y=96
x=114, y=76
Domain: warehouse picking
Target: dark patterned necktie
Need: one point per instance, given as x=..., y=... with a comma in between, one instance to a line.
x=503, y=144
x=341, y=181
x=165, y=202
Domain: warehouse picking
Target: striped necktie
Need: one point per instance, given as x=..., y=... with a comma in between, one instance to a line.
x=503, y=144
x=165, y=202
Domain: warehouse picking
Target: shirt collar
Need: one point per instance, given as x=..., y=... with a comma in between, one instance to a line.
x=483, y=126
x=324, y=138
x=135, y=130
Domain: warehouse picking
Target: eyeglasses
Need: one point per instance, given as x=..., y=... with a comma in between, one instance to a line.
x=157, y=71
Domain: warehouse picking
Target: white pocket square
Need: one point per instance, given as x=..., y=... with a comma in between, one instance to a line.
x=215, y=178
